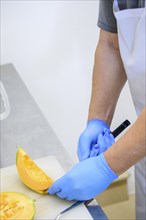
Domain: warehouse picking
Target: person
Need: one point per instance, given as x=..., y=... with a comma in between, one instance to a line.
x=120, y=56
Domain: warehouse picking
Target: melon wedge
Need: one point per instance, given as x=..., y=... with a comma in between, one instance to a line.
x=14, y=206
x=31, y=175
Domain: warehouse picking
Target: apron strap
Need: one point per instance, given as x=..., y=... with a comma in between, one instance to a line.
x=116, y=6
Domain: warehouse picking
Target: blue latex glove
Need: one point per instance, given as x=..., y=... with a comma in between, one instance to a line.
x=85, y=180
x=95, y=139
x=105, y=140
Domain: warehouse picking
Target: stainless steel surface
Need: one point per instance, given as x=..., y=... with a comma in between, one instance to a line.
x=4, y=103
x=26, y=126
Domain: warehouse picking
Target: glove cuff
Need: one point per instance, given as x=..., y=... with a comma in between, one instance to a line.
x=96, y=120
x=109, y=172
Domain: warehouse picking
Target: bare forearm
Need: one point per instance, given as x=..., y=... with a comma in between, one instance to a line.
x=108, y=78
x=129, y=149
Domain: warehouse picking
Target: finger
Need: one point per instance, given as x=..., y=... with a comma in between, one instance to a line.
x=57, y=186
x=102, y=142
x=69, y=198
x=54, y=189
x=95, y=150
x=109, y=138
x=84, y=148
x=112, y=138
x=62, y=195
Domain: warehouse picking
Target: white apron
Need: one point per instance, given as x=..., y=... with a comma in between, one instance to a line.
x=132, y=42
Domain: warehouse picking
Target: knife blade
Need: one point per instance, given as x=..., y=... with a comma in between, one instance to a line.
x=72, y=207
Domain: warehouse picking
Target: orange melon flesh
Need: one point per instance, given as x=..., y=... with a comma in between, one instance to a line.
x=14, y=206
x=31, y=174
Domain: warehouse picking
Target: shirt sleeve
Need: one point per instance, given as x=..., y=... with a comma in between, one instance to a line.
x=106, y=19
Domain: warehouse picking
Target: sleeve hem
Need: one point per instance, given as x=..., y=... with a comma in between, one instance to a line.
x=106, y=27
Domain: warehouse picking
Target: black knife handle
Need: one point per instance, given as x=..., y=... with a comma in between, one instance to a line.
x=120, y=128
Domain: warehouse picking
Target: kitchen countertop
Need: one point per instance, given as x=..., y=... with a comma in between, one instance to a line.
x=26, y=126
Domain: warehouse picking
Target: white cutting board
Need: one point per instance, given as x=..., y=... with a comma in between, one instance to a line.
x=47, y=206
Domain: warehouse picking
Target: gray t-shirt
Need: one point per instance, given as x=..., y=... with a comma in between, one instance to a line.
x=107, y=20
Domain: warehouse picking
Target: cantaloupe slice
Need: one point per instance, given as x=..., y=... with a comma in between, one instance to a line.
x=31, y=175
x=14, y=206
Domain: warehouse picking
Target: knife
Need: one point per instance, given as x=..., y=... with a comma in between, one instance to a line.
x=115, y=133
x=72, y=207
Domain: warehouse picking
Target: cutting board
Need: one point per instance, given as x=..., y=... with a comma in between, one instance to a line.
x=47, y=206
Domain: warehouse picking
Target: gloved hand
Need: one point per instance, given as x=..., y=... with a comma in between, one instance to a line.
x=85, y=180
x=104, y=140
x=95, y=139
